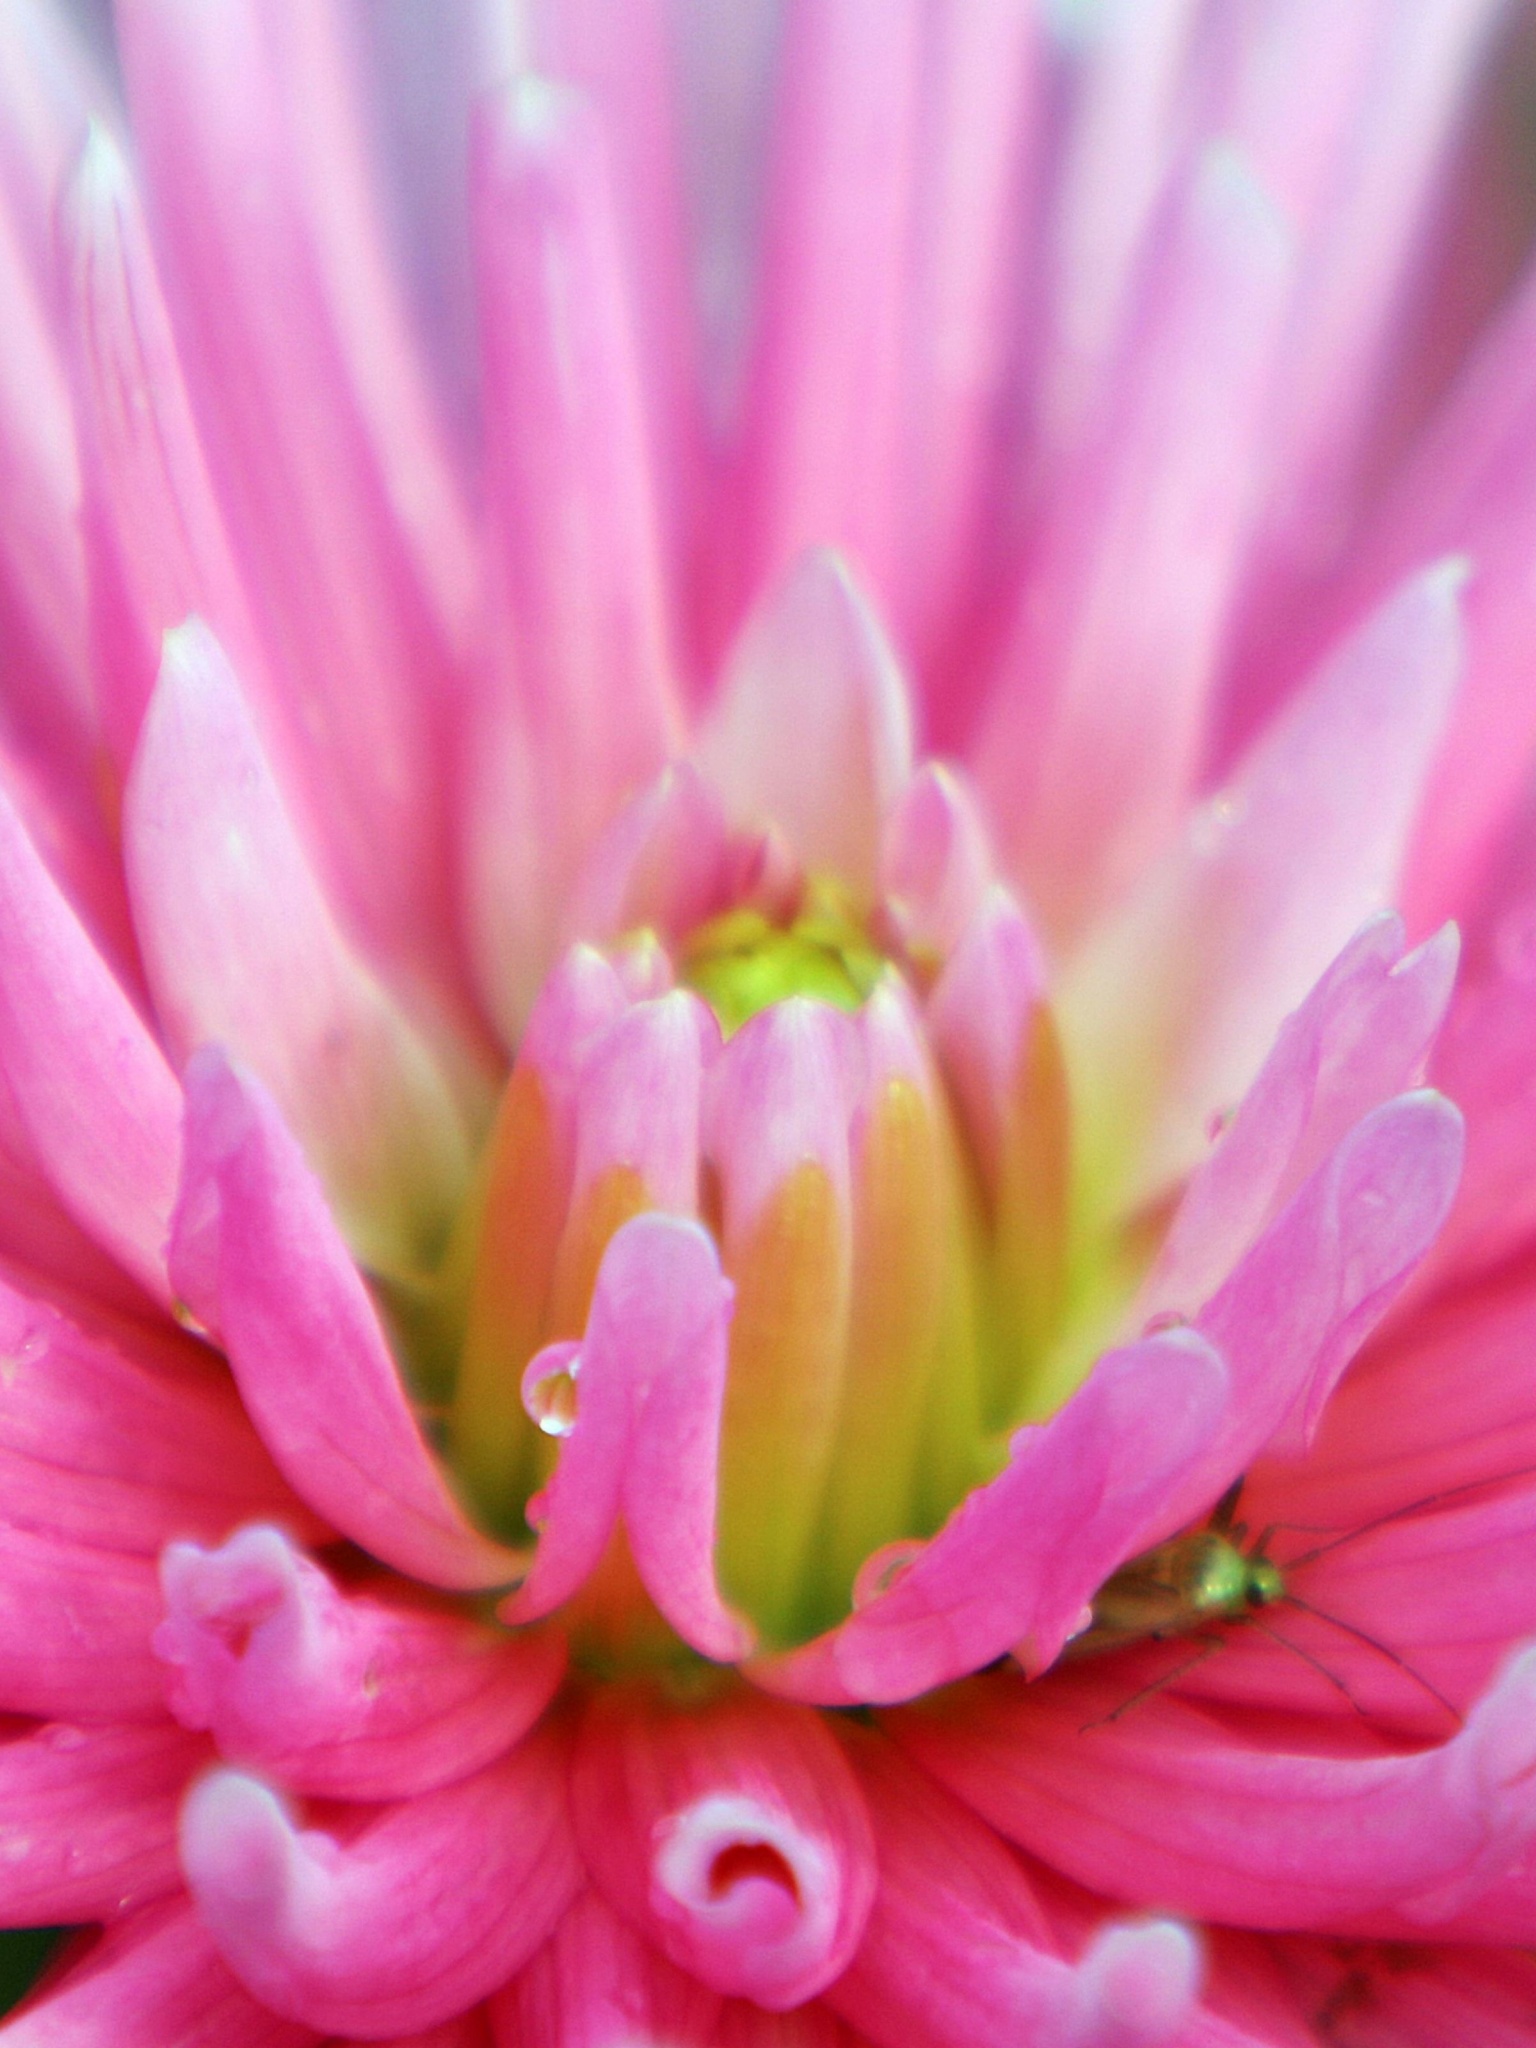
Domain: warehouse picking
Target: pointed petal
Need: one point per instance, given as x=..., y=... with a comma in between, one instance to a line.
x=1229, y=931
x=317, y=423
x=649, y=1377
x=240, y=946
x=812, y=731
x=1016, y=1562
x=732, y=1835
x=93, y=1092
x=155, y=1979
x=1088, y=758
x=664, y=862
x=89, y=1827
x=935, y=864
x=429, y=1907
x=1168, y=1802
x=257, y=1256
x=362, y=1696
x=576, y=711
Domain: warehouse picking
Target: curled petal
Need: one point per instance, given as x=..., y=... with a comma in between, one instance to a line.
x=649, y=1379
x=256, y=1253
x=417, y=1916
x=361, y=1697
x=1016, y=1562
x=733, y=1835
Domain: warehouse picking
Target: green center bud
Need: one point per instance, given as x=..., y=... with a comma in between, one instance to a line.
x=742, y=962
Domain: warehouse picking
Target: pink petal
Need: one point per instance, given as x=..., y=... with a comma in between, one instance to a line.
x=664, y=862
x=1273, y=875
x=89, y=1828
x=1017, y=1560
x=98, y=1103
x=576, y=711
x=75, y=1624
x=957, y=1951
x=812, y=730
x=732, y=1835
x=980, y=1012
x=1420, y=1998
x=317, y=424
x=240, y=946
x=362, y=1696
x=637, y=1102
x=415, y=1917
x=823, y=413
x=935, y=863
x=1483, y=1063
x=255, y=1252
x=1362, y=1035
x=594, y=1982
x=153, y=1980
x=1306, y=1296
x=122, y=1441
x=158, y=545
x=650, y=1379
x=1088, y=760
x=1166, y=1801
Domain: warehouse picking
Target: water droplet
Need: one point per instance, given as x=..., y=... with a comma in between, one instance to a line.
x=883, y=1568
x=1165, y=1319
x=549, y=1388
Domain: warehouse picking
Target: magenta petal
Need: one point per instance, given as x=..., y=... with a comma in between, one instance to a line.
x=1016, y=1562
x=75, y=1624
x=93, y=1092
x=594, y=1982
x=812, y=731
x=240, y=946
x=88, y=1820
x=153, y=1980
x=958, y=1952
x=734, y=1836
x=124, y=1439
x=363, y=1696
x=1168, y=1801
x=650, y=1382
x=255, y=1252
x=432, y=1904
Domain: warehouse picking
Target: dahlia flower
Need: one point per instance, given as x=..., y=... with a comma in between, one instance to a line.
x=765, y=1279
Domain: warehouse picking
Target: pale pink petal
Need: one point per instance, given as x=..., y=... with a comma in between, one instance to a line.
x=240, y=946
x=157, y=543
x=75, y=1624
x=664, y=862
x=361, y=1696
x=1088, y=760
x=957, y=1951
x=316, y=421
x=594, y=1982
x=823, y=425
x=637, y=1102
x=1228, y=932
x=93, y=1092
x=1017, y=1560
x=649, y=1378
x=89, y=1820
x=122, y=1438
x=417, y=1915
x=935, y=864
x=1306, y=1296
x=1362, y=1035
x=256, y=1255
x=154, y=1980
x=1169, y=1801
x=979, y=1014
x=732, y=1835
x=801, y=1056
x=812, y=730
x=575, y=711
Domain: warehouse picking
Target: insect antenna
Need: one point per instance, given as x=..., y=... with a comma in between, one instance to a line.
x=1382, y=1650
x=1265, y=1629
x=1410, y=1508
x=1145, y=1692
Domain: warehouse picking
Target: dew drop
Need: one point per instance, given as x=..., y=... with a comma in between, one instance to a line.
x=1165, y=1319
x=549, y=1388
x=883, y=1568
